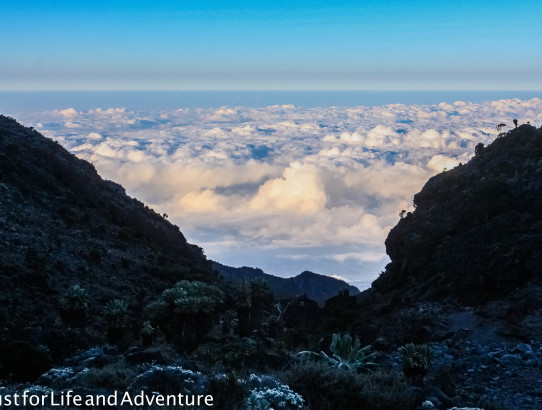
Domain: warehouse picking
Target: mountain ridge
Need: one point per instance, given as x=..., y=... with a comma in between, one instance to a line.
x=316, y=286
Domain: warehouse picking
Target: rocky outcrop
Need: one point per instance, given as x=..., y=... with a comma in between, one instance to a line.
x=476, y=233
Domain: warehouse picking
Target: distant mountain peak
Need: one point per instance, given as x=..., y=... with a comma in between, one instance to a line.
x=316, y=286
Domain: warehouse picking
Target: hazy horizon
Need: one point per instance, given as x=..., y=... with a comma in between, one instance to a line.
x=283, y=45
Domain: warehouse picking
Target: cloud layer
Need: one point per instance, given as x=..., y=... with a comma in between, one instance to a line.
x=282, y=187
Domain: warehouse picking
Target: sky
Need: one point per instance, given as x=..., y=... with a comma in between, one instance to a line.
x=279, y=186
x=271, y=45
x=282, y=187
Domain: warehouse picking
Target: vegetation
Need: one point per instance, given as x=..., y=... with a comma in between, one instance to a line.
x=185, y=312
x=116, y=314
x=349, y=390
x=147, y=333
x=416, y=359
x=175, y=327
x=346, y=355
x=74, y=303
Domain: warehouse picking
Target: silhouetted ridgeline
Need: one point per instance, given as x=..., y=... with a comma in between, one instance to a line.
x=316, y=287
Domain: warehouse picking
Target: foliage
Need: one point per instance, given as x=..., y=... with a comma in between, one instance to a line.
x=170, y=380
x=416, y=357
x=147, y=333
x=478, y=148
x=185, y=312
x=76, y=298
x=147, y=329
x=259, y=290
x=241, y=354
x=267, y=392
x=116, y=313
x=115, y=375
x=327, y=388
x=186, y=297
x=277, y=398
x=346, y=355
x=228, y=391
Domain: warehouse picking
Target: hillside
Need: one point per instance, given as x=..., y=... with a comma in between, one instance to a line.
x=466, y=276
x=317, y=287
x=62, y=225
x=476, y=233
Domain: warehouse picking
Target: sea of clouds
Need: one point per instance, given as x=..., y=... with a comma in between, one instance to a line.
x=283, y=188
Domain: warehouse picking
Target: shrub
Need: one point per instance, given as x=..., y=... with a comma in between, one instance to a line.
x=416, y=359
x=116, y=313
x=277, y=398
x=113, y=375
x=350, y=390
x=147, y=333
x=229, y=392
x=185, y=312
x=241, y=354
x=267, y=392
x=345, y=354
x=170, y=380
x=74, y=302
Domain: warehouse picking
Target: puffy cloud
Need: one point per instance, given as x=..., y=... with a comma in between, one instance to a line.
x=380, y=136
x=68, y=112
x=299, y=191
x=94, y=136
x=206, y=201
x=367, y=230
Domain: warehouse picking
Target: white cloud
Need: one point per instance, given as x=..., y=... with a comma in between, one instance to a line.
x=298, y=191
x=320, y=186
x=202, y=202
x=360, y=256
x=68, y=112
x=339, y=277
x=94, y=136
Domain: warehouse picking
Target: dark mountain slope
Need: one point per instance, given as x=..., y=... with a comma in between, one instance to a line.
x=61, y=225
x=316, y=287
x=476, y=233
x=469, y=256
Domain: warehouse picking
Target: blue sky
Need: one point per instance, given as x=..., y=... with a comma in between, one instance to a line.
x=279, y=45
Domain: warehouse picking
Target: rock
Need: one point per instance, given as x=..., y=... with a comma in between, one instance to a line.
x=428, y=405
x=436, y=395
x=512, y=360
x=524, y=349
